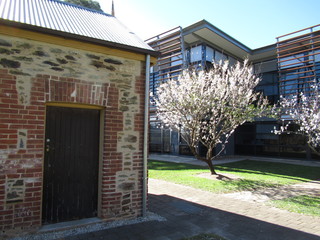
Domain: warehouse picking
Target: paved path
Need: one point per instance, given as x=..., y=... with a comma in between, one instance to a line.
x=184, y=211
x=267, y=194
x=187, y=212
x=255, y=219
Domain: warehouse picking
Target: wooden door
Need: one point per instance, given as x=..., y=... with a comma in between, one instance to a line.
x=70, y=189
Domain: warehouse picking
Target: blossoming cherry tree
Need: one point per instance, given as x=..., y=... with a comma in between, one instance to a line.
x=207, y=106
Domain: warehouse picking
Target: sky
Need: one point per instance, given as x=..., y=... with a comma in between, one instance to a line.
x=255, y=23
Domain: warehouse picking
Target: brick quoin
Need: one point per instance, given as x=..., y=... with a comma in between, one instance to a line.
x=139, y=127
x=20, y=164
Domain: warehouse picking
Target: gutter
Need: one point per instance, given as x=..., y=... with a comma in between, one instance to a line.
x=145, y=140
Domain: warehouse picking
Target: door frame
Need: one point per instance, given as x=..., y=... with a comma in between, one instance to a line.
x=101, y=138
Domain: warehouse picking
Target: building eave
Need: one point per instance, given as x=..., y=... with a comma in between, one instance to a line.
x=218, y=38
x=78, y=37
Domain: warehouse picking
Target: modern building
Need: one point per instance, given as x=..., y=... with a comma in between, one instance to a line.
x=73, y=143
x=283, y=67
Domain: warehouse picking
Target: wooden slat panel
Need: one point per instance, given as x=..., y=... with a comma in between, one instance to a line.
x=302, y=51
x=292, y=79
x=295, y=58
x=168, y=73
x=298, y=46
x=286, y=65
x=301, y=30
x=297, y=41
x=296, y=68
x=170, y=56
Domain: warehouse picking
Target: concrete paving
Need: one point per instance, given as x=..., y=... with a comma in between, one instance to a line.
x=186, y=212
x=229, y=218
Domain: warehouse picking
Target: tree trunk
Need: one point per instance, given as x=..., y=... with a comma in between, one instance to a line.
x=207, y=160
x=213, y=172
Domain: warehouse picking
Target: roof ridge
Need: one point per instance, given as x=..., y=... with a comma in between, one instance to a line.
x=81, y=7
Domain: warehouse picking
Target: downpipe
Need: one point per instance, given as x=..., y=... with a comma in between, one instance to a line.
x=145, y=140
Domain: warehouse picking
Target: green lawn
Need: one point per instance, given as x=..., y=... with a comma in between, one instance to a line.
x=253, y=174
x=301, y=204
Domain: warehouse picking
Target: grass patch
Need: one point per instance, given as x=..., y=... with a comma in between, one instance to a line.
x=205, y=236
x=301, y=204
x=253, y=174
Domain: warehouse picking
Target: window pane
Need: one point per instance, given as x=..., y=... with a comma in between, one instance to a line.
x=196, y=53
x=209, y=54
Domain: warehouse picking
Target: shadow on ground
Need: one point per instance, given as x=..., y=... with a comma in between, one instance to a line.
x=185, y=219
x=274, y=169
x=289, y=171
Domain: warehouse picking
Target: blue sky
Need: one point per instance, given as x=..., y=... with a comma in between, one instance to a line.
x=255, y=23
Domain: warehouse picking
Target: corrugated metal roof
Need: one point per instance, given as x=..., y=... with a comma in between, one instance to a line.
x=71, y=19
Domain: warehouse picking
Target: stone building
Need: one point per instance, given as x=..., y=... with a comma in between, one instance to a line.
x=72, y=116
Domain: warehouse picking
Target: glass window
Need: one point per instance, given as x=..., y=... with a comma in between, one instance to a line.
x=209, y=54
x=292, y=61
x=196, y=54
x=220, y=56
x=269, y=78
x=176, y=60
x=317, y=55
x=232, y=61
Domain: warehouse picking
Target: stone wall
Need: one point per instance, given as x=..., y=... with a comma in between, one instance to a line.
x=33, y=74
